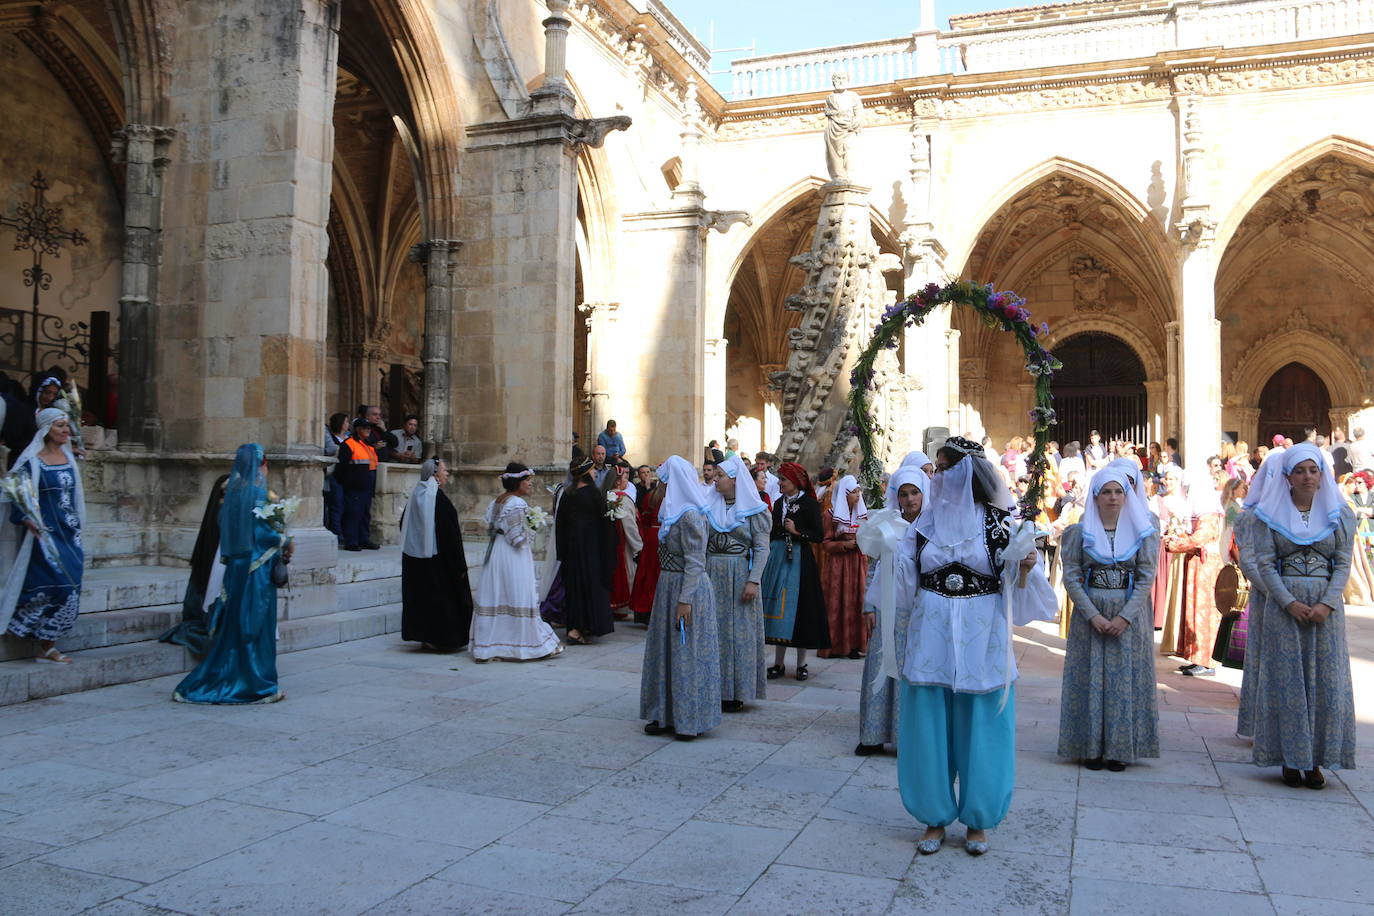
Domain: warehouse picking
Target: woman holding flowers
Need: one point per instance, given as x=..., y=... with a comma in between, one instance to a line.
x=506, y=623
x=42, y=584
x=241, y=666
x=436, y=599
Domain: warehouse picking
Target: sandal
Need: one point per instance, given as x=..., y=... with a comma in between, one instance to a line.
x=53, y=657
x=801, y=673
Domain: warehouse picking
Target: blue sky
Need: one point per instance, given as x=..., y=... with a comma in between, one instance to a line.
x=794, y=25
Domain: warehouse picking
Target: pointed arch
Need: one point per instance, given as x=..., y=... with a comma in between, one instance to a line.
x=144, y=51
x=1297, y=341
x=1149, y=233
x=1264, y=181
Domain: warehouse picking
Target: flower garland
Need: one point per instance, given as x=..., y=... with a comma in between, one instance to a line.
x=997, y=309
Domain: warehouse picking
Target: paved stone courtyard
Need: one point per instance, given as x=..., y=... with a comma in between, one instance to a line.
x=393, y=781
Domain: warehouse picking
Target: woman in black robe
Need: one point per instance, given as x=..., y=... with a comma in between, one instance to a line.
x=582, y=540
x=197, y=625
x=436, y=598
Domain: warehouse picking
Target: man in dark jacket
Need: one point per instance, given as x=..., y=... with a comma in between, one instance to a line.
x=357, y=474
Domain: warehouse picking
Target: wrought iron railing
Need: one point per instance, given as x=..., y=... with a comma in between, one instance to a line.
x=57, y=341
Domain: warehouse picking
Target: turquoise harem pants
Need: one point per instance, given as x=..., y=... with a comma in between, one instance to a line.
x=946, y=734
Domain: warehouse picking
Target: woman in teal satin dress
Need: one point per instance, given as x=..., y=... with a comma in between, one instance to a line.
x=241, y=666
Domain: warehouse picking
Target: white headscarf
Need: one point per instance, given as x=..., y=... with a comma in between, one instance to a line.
x=682, y=493
x=950, y=516
x=1201, y=490
x=726, y=516
x=916, y=459
x=907, y=473
x=839, y=504
x=1131, y=468
x=1133, y=526
x=16, y=544
x=1270, y=468
x=417, y=528
x=1276, y=507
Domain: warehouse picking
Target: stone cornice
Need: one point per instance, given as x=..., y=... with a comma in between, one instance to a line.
x=1207, y=72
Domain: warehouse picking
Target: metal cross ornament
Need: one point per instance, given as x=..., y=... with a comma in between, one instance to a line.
x=36, y=227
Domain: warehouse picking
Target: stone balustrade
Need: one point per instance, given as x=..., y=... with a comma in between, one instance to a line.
x=1051, y=36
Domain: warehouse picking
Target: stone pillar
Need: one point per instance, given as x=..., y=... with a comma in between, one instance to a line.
x=242, y=342
x=1156, y=408
x=1174, y=383
x=601, y=363
x=954, y=412
x=932, y=350
x=714, y=354
x=513, y=292
x=1199, y=331
x=1247, y=423
x=439, y=258
x=144, y=152
x=772, y=407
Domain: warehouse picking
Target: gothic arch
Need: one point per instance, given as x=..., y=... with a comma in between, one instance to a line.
x=1263, y=182
x=1149, y=234
x=146, y=56
x=1296, y=341
x=1128, y=334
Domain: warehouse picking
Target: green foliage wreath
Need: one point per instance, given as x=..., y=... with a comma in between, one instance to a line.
x=1004, y=310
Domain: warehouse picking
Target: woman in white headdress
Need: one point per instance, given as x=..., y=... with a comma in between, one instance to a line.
x=887, y=604
x=506, y=622
x=679, y=688
x=736, y=553
x=41, y=554
x=846, y=570
x=1203, y=559
x=974, y=582
x=1244, y=530
x=1304, y=708
x=1109, y=714
x=436, y=599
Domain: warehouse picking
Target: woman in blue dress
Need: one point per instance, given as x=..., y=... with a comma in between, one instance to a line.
x=241, y=666
x=42, y=589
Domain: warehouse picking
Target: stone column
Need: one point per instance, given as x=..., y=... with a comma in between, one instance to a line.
x=1156, y=408
x=772, y=407
x=932, y=350
x=601, y=364
x=144, y=152
x=242, y=346
x=439, y=258
x=513, y=291
x=1199, y=330
x=1174, y=383
x=714, y=354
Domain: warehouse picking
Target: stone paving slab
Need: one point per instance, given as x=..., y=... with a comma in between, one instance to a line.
x=394, y=781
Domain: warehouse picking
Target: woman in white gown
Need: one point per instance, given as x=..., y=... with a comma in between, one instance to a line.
x=506, y=622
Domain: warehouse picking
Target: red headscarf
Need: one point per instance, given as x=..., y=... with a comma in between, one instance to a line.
x=797, y=474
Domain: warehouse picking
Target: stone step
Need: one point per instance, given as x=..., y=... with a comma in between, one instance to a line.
x=24, y=679
x=108, y=628
x=122, y=587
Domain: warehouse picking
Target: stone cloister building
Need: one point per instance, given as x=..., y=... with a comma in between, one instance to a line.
x=521, y=218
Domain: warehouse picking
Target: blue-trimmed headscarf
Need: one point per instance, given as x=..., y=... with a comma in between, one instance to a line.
x=1276, y=507
x=1133, y=526
x=726, y=516
x=682, y=493
x=246, y=491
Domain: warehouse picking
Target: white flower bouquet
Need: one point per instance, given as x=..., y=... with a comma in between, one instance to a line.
x=536, y=519
x=20, y=490
x=278, y=514
x=619, y=505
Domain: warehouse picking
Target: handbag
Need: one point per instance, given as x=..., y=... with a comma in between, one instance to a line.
x=279, y=571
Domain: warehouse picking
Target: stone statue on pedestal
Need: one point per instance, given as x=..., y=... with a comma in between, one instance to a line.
x=844, y=112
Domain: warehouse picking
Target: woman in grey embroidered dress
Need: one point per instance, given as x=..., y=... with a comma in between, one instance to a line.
x=679, y=689
x=1304, y=707
x=736, y=552
x=1109, y=713
x=880, y=537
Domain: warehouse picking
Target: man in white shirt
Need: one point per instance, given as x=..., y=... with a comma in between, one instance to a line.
x=1359, y=451
x=1096, y=454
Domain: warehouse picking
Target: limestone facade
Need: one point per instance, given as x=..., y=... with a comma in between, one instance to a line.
x=521, y=218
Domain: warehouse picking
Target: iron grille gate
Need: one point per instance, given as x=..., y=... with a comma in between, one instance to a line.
x=1116, y=413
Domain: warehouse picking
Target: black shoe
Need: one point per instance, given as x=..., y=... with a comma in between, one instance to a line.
x=368, y=545
x=856, y=654
x=1186, y=667
x=731, y=705
x=1199, y=671
x=776, y=671
x=1292, y=778
x=353, y=547
x=681, y=737
x=1314, y=779
x=1116, y=766
x=867, y=750
x=653, y=728
x=801, y=673
x=1094, y=764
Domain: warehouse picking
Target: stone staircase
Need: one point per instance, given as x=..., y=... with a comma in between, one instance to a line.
x=125, y=608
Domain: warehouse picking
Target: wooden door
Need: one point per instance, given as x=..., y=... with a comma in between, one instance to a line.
x=1294, y=400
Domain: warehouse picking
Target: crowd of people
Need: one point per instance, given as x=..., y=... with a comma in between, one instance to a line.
x=720, y=560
